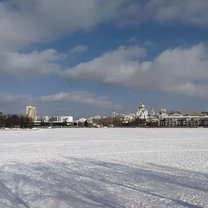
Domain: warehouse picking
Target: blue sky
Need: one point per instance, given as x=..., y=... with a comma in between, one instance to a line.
x=88, y=57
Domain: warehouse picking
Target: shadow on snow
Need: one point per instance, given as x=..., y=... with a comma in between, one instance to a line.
x=93, y=183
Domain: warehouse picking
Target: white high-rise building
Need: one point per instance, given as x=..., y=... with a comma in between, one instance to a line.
x=31, y=112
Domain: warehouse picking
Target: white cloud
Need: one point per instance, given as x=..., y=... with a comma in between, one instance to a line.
x=188, y=11
x=79, y=49
x=6, y=99
x=23, y=22
x=14, y=104
x=58, y=103
x=81, y=97
x=180, y=71
x=20, y=65
x=191, y=12
x=113, y=68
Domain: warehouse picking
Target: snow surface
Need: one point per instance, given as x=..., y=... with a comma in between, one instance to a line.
x=59, y=168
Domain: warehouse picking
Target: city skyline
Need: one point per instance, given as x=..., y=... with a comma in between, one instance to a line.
x=91, y=57
x=33, y=113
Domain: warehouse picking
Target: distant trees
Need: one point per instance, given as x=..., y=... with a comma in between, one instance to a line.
x=108, y=121
x=14, y=121
x=120, y=122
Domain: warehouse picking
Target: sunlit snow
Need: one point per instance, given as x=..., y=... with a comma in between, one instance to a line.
x=59, y=168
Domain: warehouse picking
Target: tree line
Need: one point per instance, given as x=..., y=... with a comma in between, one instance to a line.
x=15, y=121
x=119, y=122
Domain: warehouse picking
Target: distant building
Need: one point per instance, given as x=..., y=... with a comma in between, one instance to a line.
x=114, y=114
x=97, y=117
x=82, y=120
x=61, y=119
x=142, y=112
x=163, y=113
x=45, y=118
x=128, y=118
x=31, y=112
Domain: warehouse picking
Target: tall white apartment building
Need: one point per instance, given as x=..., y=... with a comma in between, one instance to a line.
x=31, y=112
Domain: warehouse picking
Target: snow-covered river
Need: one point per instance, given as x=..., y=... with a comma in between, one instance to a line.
x=61, y=168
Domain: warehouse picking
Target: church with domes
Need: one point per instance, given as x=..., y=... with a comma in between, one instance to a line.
x=142, y=112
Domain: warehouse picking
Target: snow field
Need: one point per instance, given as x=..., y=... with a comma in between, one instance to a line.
x=104, y=168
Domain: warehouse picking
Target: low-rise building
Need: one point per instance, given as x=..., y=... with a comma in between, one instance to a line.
x=61, y=119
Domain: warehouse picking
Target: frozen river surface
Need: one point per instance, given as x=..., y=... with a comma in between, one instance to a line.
x=61, y=168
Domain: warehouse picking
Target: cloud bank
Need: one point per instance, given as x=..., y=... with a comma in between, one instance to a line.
x=188, y=12
x=15, y=65
x=23, y=22
x=82, y=99
x=178, y=71
x=26, y=24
